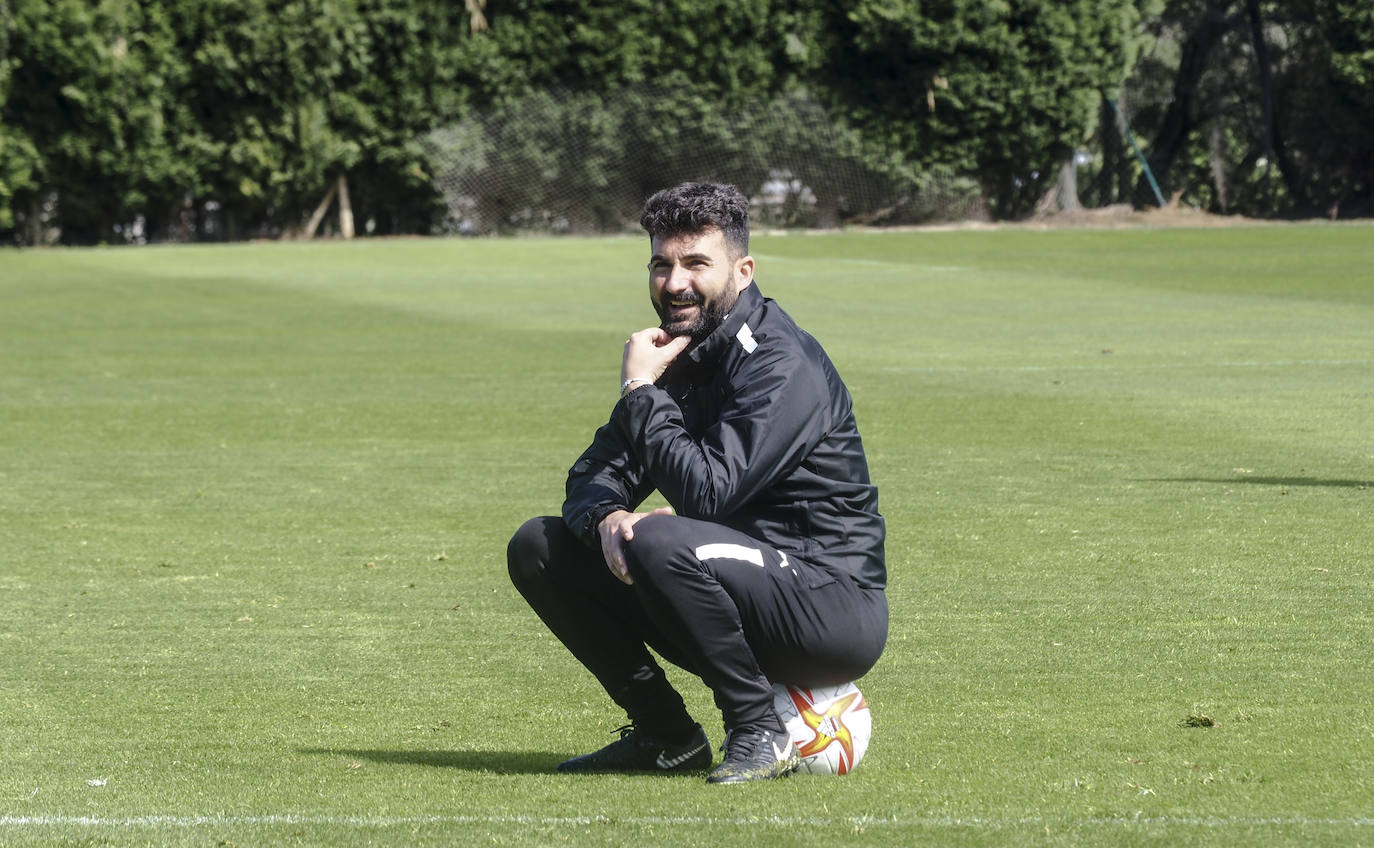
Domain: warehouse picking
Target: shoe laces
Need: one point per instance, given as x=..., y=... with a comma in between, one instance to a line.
x=743, y=741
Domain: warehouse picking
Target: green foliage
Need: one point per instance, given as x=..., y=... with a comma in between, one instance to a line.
x=521, y=170
x=728, y=52
x=1330, y=91
x=262, y=75
x=843, y=169
x=1201, y=99
x=132, y=120
x=225, y=118
x=92, y=92
x=1002, y=91
x=17, y=153
x=416, y=68
x=584, y=162
x=18, y=161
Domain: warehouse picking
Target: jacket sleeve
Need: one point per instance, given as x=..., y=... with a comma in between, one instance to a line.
x=606, y=477
x=775, y=417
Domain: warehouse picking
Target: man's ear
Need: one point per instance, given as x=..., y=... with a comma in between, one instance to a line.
x=744, y=273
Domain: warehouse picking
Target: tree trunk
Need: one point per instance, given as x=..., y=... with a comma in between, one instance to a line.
x=318, y=215
x=1172, y=135
x=1066, y=186
x=345, y=209
x=477, y=22
x=1218, y=162
x=1109, y=137
x=1271, y=139
x=34, y=223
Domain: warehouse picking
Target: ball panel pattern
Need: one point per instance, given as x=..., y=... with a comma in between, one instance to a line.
x=831, y=725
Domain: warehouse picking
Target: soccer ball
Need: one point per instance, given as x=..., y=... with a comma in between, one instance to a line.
x=830, y=725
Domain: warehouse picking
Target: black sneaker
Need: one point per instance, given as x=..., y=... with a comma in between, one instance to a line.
x=636, y=750
x=756, y=753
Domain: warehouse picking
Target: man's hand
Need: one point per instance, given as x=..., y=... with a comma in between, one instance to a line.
x=649, y=352
x=615, y=530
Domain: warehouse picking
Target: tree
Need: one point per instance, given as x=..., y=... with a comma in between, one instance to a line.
x=1265, y=109
x=1002, y=91
x=814, y=150
x=219, y=118
x=261, y=83
x=1201, y=25
x=417, y=66
x=582, y=110
x=1331, y=95
x=18, y=156
x=732, y=52
x=89, y=105
x=126, y=120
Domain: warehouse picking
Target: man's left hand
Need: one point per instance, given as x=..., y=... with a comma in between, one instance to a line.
x=649, y=352
x=615, y=530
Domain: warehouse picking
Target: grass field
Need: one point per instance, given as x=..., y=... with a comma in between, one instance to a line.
x=254, y=503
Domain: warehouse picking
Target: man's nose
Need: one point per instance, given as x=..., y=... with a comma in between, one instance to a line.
x=677, y=280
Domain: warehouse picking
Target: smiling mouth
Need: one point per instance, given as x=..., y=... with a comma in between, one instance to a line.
x=680, y=312
x=683, y=304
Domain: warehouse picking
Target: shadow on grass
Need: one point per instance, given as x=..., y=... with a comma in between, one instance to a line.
x=496, y=762
x=1291, y=482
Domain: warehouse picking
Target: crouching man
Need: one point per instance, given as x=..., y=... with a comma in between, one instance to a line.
x=769, y=566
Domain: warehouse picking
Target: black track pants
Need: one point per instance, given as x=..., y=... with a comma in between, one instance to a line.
x=735, y=611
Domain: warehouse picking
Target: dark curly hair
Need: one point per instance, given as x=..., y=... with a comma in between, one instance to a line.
x=694, y=207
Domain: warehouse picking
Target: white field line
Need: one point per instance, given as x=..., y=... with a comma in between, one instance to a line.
x=947, y=822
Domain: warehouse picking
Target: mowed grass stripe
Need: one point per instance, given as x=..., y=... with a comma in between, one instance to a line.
x=857, y=822
x=255, y=500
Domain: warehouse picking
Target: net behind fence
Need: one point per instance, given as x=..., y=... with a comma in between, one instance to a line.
x=583, y=162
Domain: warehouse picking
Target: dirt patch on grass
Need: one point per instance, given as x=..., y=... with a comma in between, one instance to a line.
x=1123, y=215
x=1119, y=216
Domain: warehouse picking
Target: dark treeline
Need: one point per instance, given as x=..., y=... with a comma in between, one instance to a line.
x=184, y=120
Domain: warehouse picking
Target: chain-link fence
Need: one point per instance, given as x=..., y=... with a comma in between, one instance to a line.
x=581, y=162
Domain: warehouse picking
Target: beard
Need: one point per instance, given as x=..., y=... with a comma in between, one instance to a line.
x=710, y=315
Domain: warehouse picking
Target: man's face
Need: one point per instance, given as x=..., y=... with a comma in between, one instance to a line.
x=693, y=282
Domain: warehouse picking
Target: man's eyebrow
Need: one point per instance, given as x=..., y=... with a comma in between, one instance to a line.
x=658, y=257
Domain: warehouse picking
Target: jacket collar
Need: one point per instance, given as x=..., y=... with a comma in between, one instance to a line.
x=713, y=346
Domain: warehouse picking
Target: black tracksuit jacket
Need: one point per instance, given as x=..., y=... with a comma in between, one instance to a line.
x=752, y=429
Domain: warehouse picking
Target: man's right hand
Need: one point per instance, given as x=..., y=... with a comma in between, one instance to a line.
x=649, y=352
x=615, y=530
